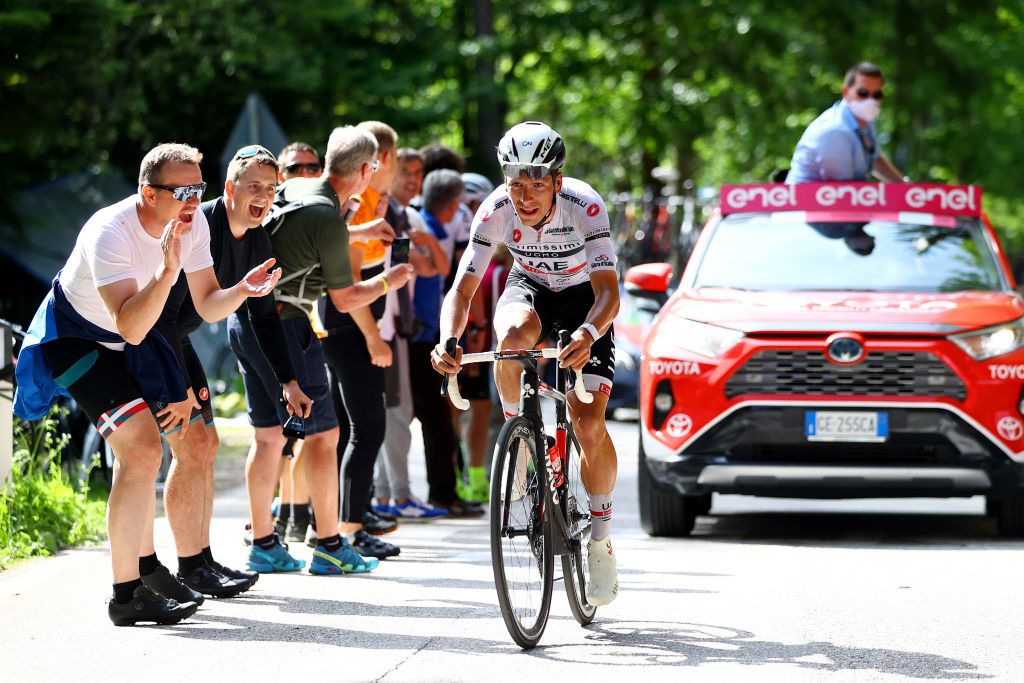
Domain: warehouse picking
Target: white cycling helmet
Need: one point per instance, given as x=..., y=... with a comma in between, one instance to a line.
x=533, y=148
x=477, y=187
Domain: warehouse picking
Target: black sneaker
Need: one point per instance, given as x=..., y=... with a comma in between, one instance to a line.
x=368, y=546
x=295, y=531
x=209, y=581
x=460, y=508
x=376, y=525
x=251, y=577
x=166, y=585
x=146, y=605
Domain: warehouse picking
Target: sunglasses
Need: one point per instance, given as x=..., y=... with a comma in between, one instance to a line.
x=863, y=93
x=532, y=172
x=305, y=168
x=374, y=166
x=253, y=150
x=183, y=193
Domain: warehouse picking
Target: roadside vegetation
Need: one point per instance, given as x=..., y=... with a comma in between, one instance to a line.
x=44, y=508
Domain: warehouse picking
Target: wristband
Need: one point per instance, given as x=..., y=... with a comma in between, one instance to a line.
x=591, y=330
x=384, y=279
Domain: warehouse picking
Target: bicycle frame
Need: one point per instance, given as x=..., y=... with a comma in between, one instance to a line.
x=530, y=391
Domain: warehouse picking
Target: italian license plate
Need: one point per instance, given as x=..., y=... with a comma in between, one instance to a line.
x=829, y=425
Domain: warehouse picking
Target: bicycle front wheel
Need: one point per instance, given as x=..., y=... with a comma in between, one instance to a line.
x=521, y=553
x=576, y=508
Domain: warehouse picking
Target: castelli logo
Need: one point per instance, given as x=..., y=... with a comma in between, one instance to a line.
x=949, y=198
x=593, y=210
x=204, y=394
x=516, y=235
x=858, y=195
x=485, y=217
x=775, y=197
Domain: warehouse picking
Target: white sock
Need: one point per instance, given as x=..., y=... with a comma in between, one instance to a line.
x=600, y=515
x=510, y=409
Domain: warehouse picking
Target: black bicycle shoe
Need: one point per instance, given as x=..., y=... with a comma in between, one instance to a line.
x=168, y=586
x=369, y=546
x=376, y=525
x=209, y=581
x=251, y=577
x=146, y=605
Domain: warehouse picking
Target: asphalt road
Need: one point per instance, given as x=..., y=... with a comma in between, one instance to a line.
x=766, y=590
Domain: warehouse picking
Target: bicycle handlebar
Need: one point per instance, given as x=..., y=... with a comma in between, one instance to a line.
x=451, y=386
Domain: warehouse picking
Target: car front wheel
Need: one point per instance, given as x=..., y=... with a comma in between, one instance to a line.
x=664, y=511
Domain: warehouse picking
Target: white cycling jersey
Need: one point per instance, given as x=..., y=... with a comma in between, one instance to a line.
x=562, y=253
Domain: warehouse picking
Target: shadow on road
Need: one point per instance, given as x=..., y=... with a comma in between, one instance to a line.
x=663, y=644
x=854, y=530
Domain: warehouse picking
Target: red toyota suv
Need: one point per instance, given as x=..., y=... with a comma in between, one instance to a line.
x=834, y=340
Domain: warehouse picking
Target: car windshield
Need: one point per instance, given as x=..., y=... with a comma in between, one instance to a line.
x=759, y=252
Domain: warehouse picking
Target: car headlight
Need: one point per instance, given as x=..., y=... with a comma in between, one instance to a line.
x=677, y=334
x=992, y=341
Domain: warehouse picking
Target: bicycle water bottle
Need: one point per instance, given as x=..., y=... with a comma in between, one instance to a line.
x=557, y=476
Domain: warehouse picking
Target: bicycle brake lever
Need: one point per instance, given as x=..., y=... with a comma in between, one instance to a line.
x=450, y=386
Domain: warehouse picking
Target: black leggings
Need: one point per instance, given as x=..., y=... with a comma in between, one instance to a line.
x=357, y=387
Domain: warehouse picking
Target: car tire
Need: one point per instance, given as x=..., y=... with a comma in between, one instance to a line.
x=663, y=511
x=1010, y=516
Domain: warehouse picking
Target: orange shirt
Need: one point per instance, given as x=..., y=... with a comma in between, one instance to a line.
x=373, y=250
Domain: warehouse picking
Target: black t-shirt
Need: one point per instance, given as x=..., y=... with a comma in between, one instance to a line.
x=334, y=320
x=232, y=260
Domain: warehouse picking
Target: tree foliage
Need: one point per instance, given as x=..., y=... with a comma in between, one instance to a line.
x=719, y=90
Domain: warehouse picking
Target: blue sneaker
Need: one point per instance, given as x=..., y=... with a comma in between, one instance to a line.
x=344, y=560
x=276, y=559
x=414, y=510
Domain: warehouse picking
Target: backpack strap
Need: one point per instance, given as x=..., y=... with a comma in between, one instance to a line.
x=273, y=223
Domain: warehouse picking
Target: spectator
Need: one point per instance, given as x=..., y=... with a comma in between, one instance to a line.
x=357, y=355
x=312, y=250
x=442, y=196
x=298, y=160
x=238, y=244
x=842, y=143
x=92, y=339
x=394, y=492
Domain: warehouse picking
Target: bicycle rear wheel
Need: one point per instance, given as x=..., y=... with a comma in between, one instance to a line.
x=521, y=553
x=576, y=508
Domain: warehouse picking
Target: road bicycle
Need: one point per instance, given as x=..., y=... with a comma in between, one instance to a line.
x=538, y=505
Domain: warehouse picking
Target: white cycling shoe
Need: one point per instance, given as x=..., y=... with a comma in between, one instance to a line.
x=603, y=579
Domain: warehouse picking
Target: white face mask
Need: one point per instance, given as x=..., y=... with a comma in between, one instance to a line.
x=866, y=109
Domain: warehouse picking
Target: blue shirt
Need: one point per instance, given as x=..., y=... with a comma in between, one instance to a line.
x=831, y=148
x=426, y=301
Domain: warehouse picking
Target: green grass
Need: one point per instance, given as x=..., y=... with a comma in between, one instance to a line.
x=41, y=512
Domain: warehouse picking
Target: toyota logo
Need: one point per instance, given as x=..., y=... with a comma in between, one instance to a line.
x=845, y=350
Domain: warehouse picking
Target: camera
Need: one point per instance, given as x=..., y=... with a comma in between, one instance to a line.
x=294, y=427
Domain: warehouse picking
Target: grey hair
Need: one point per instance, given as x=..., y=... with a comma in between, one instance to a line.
x=161, y=155
x=440, y=189
x=348, y=149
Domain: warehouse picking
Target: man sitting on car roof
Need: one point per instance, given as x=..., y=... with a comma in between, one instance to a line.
x=842, y=143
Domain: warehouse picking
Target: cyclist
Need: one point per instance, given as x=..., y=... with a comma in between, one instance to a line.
x=563, y=276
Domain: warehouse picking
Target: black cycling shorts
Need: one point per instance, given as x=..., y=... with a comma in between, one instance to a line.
x=565, y=310
x=200, y=387
x=98, y=379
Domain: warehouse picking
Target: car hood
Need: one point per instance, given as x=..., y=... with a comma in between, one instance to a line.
x=848, y=311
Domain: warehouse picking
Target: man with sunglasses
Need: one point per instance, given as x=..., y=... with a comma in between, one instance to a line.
x=93, y=340
x=298, y=160
x=842, y=143
x=312, y=248
x=564, y=277
x=238, y=243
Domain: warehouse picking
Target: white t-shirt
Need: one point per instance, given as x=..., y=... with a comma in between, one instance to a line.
x=113, y=246
x=570, y=246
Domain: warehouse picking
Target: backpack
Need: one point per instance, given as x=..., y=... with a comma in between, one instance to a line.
x=272, y=223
